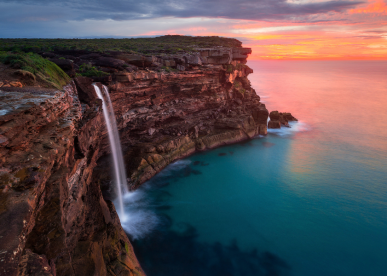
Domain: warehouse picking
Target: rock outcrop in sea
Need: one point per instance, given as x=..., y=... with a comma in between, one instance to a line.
x=56, y=213
x=278, y=119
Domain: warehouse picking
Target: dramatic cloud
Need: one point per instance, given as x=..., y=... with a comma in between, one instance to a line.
x=147, y=9
x=275, y=29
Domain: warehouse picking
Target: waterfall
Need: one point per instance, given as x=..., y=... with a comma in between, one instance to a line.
x=115, y=146
x=136, y=219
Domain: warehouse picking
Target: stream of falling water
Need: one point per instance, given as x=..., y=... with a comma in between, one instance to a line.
x=136, y=220
x=115, y=146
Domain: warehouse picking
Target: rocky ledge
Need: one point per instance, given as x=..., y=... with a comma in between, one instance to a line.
x=54, y=220
x=55, y=182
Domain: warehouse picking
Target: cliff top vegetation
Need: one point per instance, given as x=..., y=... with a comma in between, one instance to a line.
x=168, y=44
x=47, y=72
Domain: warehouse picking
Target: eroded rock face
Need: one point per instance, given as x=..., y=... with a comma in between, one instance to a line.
x=114, y=62
x=54, y=219
x=165, y=116
x=55, y=168
x=86, y=92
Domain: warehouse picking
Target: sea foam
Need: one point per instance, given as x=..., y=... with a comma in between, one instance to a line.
x=294, y=128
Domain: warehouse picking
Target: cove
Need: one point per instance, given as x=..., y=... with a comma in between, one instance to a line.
x=255, y=218
x=309, y=200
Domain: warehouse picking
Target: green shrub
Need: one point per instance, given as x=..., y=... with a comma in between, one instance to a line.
x=87, y=70
x=44, y=69
x=229, y=68
x=239, y=87
x=168, y=43
x=3, y=54
x=240, y=66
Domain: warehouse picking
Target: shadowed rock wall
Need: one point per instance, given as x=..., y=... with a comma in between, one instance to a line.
x=166, y=116
x=55, y=181
x=54, y=220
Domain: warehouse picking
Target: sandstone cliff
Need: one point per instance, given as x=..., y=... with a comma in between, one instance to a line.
x=166, y=116
x=54, y=220
x=55, y=213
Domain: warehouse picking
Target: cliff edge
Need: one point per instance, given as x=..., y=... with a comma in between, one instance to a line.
x=55, y=183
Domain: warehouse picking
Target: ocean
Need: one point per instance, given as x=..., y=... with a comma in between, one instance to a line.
x=310, y=200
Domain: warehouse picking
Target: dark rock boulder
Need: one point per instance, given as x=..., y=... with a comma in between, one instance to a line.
x=274, y=116
x=289, y=117
x=260, y=115
x=86, y=92
x=283, y=120
x=105, y=80
x=274, y=124
x=110, y=62
x=134, y=59
x=278, y=119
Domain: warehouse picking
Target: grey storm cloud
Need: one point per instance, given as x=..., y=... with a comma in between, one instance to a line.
x=147, y=9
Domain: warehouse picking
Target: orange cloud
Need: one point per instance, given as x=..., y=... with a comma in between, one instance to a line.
x=374, y=6
x=355, y=34
x=321, y=45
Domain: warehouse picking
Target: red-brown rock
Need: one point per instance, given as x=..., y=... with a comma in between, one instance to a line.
x=54, y=218
x=274, y=124
x=56, y=201
x=274, y=116
x=86, y=91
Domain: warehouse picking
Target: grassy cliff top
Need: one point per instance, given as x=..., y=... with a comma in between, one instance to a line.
x=44, y=71
x=167, y=44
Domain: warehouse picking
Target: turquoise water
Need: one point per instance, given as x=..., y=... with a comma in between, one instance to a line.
x=309, y=200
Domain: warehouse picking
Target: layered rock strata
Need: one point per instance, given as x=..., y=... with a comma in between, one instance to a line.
x=163, y=116
x=54, y=220
x=55, y=182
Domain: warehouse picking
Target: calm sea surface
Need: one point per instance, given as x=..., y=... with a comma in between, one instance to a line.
x=310, y=200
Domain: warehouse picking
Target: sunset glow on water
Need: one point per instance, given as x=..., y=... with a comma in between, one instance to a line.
x=309, y=200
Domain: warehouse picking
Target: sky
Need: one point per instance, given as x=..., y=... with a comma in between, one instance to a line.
x=275, y=29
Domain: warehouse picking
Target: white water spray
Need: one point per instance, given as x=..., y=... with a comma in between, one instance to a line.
x=136, y=219
x=115, y=146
